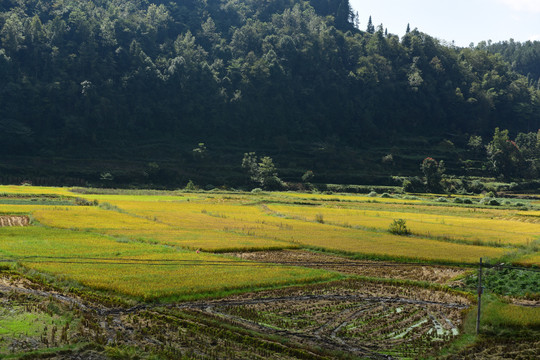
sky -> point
(461, 21)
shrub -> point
(433, 171)
(388, 159)
(409, 197)
(190, 186)
(373, 194)
(476, 186)
(386, 195)
(414, 184)
(319, 218)
(485, 200)
(256, 191)
(83, 202)
(467, 201)
(494, 202)
(399, 227)
(441, 199)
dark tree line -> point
(80, 75)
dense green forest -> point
(151, 79)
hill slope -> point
(151, 79)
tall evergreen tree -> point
(370, 27)
(344, 15)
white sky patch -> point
(535, 37)
(523, 5)
(479, 20)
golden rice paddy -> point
(139, 245)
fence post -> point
(480, 290)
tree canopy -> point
(79, 76)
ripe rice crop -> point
(484, 230)
(168, 223)
(347, 198)
(222, 222)
(140, 269)
(532, 259)
(35, 190)
(498, 314)
(220, 226)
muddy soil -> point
(437, 274)
(315, 322)
(500, 349)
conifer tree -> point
(370, 27)
(344, 15)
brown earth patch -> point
(12, 220)
(436, 274)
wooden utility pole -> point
(480, 290)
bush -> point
(494, 202)
(319, 218)
(190, 186)
(467, 201)
(409, 197)
(399, 227)
(441, 199)
(414, 185)
(458, 200)
(475, 186)
(386, 195)
(256, 191)
(83, 202)
(373, 194)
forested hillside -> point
(523, 57)
(99, 76)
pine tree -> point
(343, 15)
(370, 28)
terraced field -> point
(301, 267)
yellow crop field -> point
(485, 230)
(23, 209)
(35, 190)
(194, 231)
(222, 223)
(140, 269)
(132, 231)
(533, 259)
(252, 222)
(352, 198)
(498, 313)
(155, 277)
